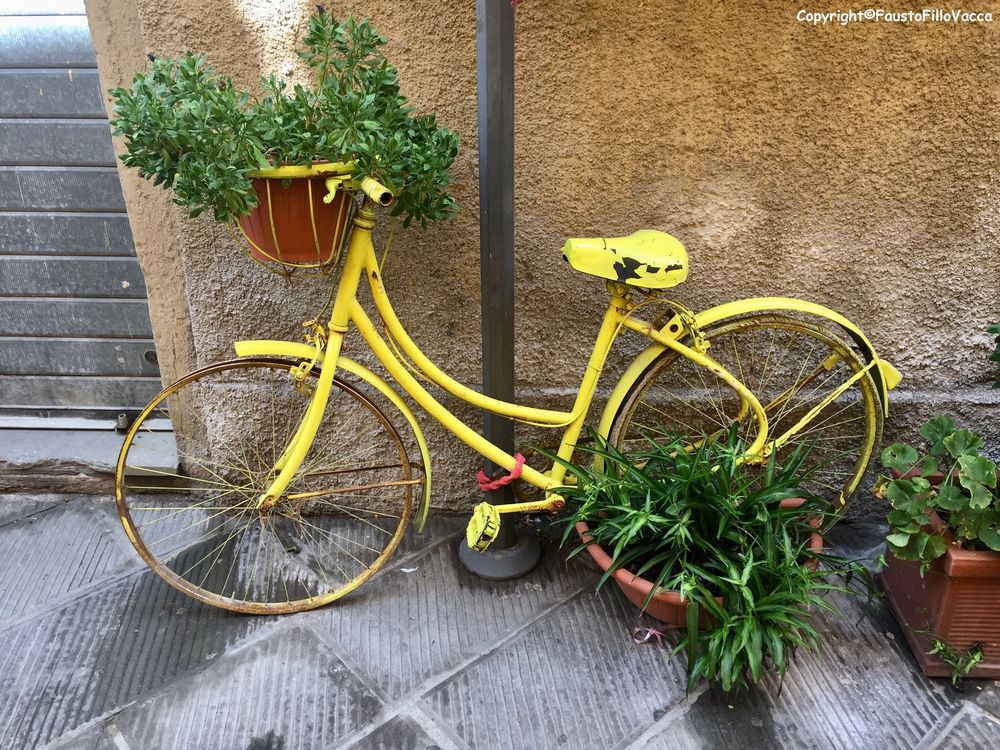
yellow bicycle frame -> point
(390, 349)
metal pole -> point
(512, 554)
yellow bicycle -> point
(295, 477)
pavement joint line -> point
(394, 708)
(657, 727)
(15, 519)
(434, 681)
(981, 711)
(439, 731)
(363, 677)
(265, 631)
(110, 730)
(989, 711)
(57, 604)
(392, 563)
(935, 735)
(137, 566)
(112, 523)
(431, 720)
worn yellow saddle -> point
(647, 258)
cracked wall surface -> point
(855, 166)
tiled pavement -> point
(96, 652)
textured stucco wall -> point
(855, 166)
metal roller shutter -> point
(75, 338)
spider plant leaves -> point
(696, 519)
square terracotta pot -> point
(957, 599)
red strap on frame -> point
(486, 484)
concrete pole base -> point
(514, 561)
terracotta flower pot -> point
(667, 606)
(291, 224)
(957, 599)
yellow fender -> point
(307, 352)
(884, 374)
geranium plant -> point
(186, 126)
(950, 477)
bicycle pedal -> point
(483, 528)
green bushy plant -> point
(186, 127)
(704, 523)
(966, 498)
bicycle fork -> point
(291, 459)
(293, 456)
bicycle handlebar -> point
(377, 191)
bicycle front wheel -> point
(194, 518)
(793, 366)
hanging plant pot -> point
(293, 224)
(667, 606)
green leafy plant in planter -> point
(995, 356)
(952, 479)
(720, 534)
(941, 571)
(186, 127)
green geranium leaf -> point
(905, 496)
(903, 522)
(963, 443)
(900, 457)
(898, 539)
(928, 465)
(977, 469)
(979, 496)
(951, 497)
(989, 530)
(935, 431)
(935, 547)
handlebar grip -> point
(377, 191)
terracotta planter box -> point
(958, 599)
(666, 606)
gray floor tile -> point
(437, 529)
(400, 733)
(861, 687)
(576, 679)
(62, 669)
(426, 617)
(861, 691)
(46, 556)
(19, 506)
(96, 737)
(985, 693)
(719, 720)
(285, 692)
(973, 730)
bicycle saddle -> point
(646, 258)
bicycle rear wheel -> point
(792, 366)
(194, 516)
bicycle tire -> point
(838, 461)
(232, 420)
